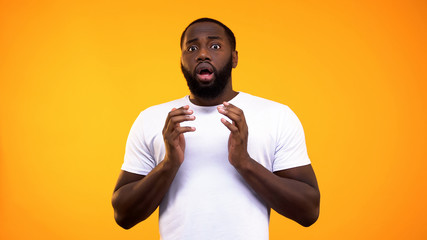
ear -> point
(234, 58)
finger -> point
(232, 108)
(184, 110)
(180, 130)
(234, 114)
(233, 128)
(176, 120)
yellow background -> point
(74, 75)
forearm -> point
(291, 198)
(136, 201)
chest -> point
(208, 145)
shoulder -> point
(167, 106)
(156, 114)
(272, 113)
(249, 102)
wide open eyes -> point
(192, 48)
(215, 46)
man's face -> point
(207, 59)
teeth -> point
(204, 68)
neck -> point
(226, 95)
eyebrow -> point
(195, 39)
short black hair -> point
(229, 33)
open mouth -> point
(204, 72)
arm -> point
(292, 193)
(136, 196)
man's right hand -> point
(136, 197)
(173, 133)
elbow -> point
(127, 221)
(309, 219)
(122, 222)
(122, 219)
(305, 217)
(126, 218)
(312, 214)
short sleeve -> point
(291, 149)
(138, 158)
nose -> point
(203, 55)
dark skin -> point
(293, 193)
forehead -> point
(204, 29)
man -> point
(217, 160)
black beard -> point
(222, 77)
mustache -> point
(222, 78)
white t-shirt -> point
(208, 199)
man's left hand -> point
(238, 140)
